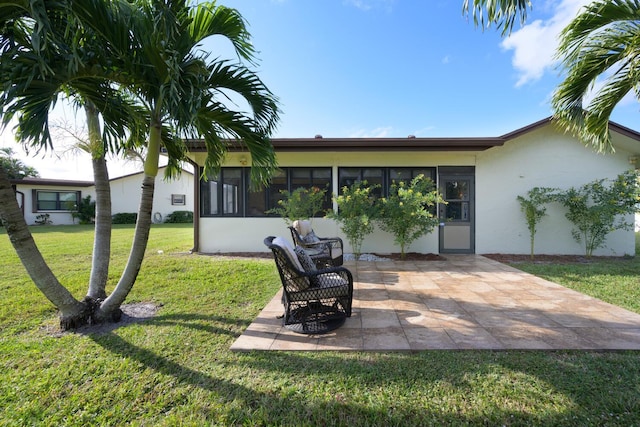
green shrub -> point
(301, 203)
(596, 209)
(408, 212)
(179, 217)
(356, 213)
(124, 218)
(85, 211)
(534, 210)
(43, 219)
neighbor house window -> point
(56, 200)
(178, 199)
(230, 192)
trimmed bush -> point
(179, 217)
(124, 218)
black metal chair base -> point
(316, 319)
(316, 327)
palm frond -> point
(209, 19)
(502, 13)
(602, 43)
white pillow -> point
(298, 283)
(302, 226)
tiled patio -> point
(465, 302)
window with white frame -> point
(47, 200)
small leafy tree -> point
(301, 203)
(595, 209)
(356, 213)
(85, 211)
(534, 210)
(407, 213)
(14, 167)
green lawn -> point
(176, 369)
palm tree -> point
(183, 92)
(603, 41)
(151, 56)
(35, 69)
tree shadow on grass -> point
(358, 388)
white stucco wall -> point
(541, 158)
(126, 191)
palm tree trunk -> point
(73, 313)
(110, 308)
(102, 237)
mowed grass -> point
(176, 369)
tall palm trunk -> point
(102, 237)
(110, 308)
(73, 313)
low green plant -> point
(301, 203)
(43, 219)
(408, 211)
(124, 218)
(596, 209)
(534, 209)
(357, 211)
(85, 211)
(179, 217)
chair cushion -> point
(307, 263)
(331, 285)
(303, 256)
(310, 238)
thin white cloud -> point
(366, 5)
(446, 59)
(535, 44)
(380, 132)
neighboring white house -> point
(39, 197)
(169, 195)
(479, 177)
(55, 197)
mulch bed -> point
(551, 259)
(415, 256)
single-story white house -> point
(479, 177)
(56, 197)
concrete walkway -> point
(465, 302)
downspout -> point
(21, 194)
(196, 205)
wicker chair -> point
(325, 251)
(315, 301)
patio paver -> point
(464, 302)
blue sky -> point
(392, 68)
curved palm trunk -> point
(110, 308)
(102, 237)
(73, 313)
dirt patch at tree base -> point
(131, 313)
